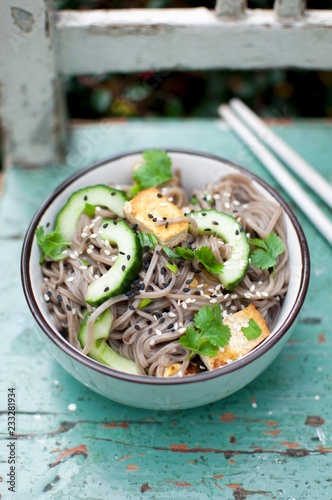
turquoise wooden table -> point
(272, 439)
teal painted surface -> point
(272, 439)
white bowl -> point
(150, 392)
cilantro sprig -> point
(208, 334)
(203, 254)
(265, 255)
(155, 170)
(253, 330)
(52, 244)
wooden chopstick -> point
(300, 166)
(279, 172)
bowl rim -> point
(72, 352)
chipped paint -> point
(314, 421)
(70, 452)
(227, 417)
(131, 467)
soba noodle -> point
(149, 336)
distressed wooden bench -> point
(270, 440)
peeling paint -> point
(70, 452)
(227, 417)
(314, 421)
(23, 19)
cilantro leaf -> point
(185, 253)
(253, 330)
(52, 244)
(171, 254)
(265, 255)
(208, 334)
(206, 257)
(155, 170)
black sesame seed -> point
(173, 330)
(106, 289)
(127, 295)
(215, 223)
(113, 193)
(128, 257)
(49, 293)
(154, 219)
(68, 307)
(59, 298)
(214, 234)
(197, 271)
(204, 214)
(150, 287)
(197, 292)
(164, 218)
(188, 282)
(150, 216)
(171, 325)
(163, 270)
(207, 229)
(158, 252)
(136, 292)
(115, 222)
(159, 195)
(166, 225)
(137, 327)
(87, 240)
(123, 268)
(186, 289)
(48, 224)
(142, 286)
(235, 211)
(150, 330)
(65, 264)
(241, 230)
(132, 308)
(134, 227)
(146, 248)
(85, 198)
(121, 253)
(105, 225)
(237, 232)
(161, 320)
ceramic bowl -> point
(150, 392)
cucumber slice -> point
(100, 195)
(126, 268)
(229, 230)
(100, 350)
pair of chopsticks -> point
(254, 132)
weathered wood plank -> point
(231, 8)
(290, 8)
(136, 40)
(30, 99)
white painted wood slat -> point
(30, 99)
(136, 40)
(232, 8)
(290, 8)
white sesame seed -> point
(172, 315)
(46, 297)
(89, 250)
(180, 373)
(226, 296)
(70, 279)
(227, 205)
(236, 202)
(64, 252)
(265, 294)
(96, 276)
(188, 301)
(228, 195)
(258, 294)
(213, 301)
(163, 204)
(180, 324)
(83, 268)
(152, 342)
(97, 209)
(211, 290)
(114, 258)
(158, 332)
(100, 231)
(260, 282)
(229, 361)
(106, 243)
(46, 279)
(200, 286)
(93, 235)
(218, 288)
(233, 308)
(176, 325)
(216, 196)
(91, 246)
(221, 349)
(182, 330)
(234, 296)
(184, 305)
(73, 311)
(252, 288)
(72, 256)
(107, 252)
(84, 235)
(248, 295)
(91, 225)
(170, 198)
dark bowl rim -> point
(55, 337)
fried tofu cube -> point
(238, 345)
(171, 370)
(149, 207)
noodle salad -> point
(148, 281)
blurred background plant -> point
(270, 93)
